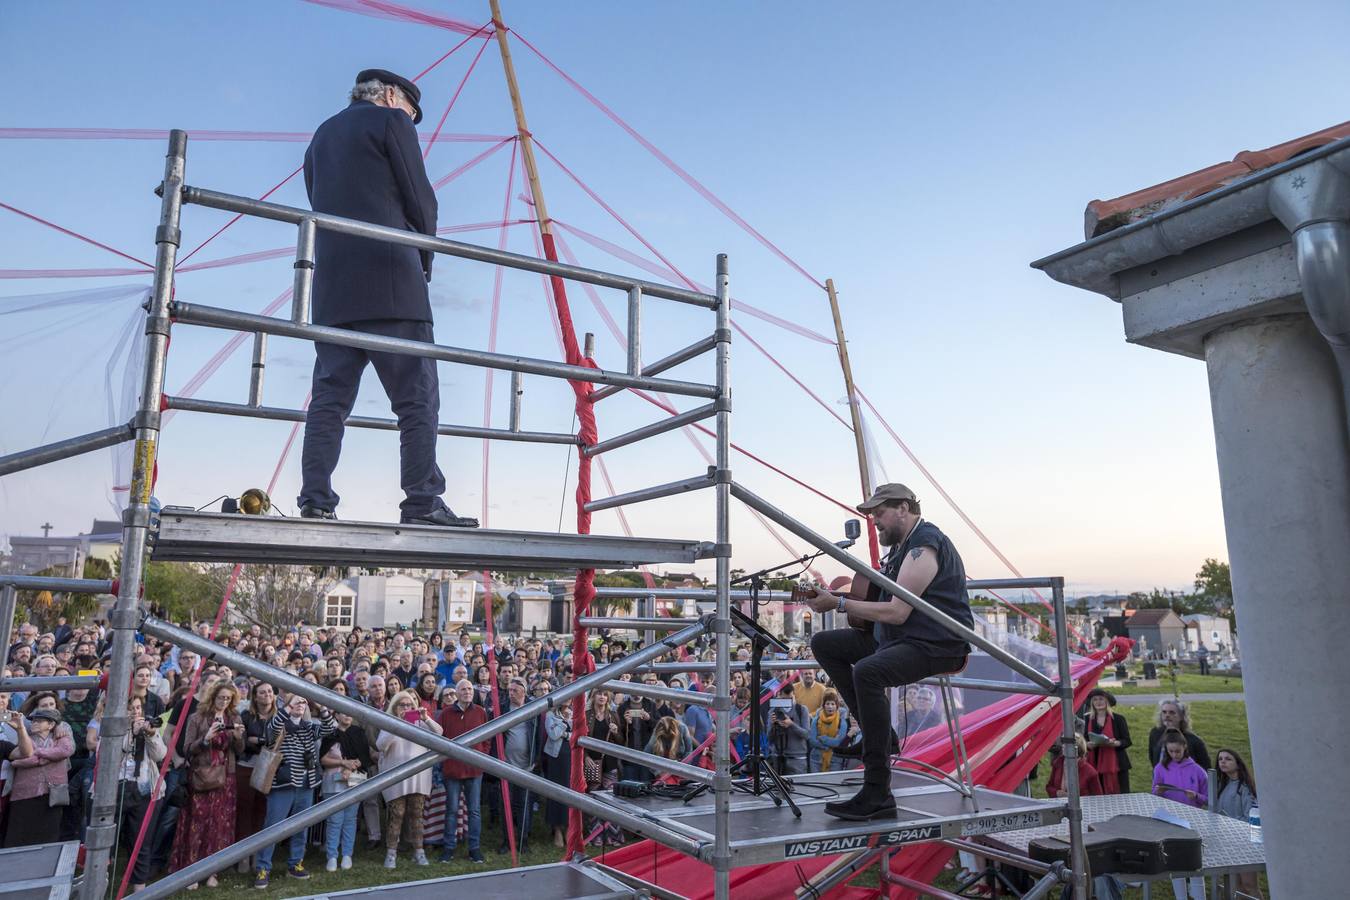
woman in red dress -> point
(1108, 738)
(215, 737)
(1089, 785)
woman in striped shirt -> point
(297, 777)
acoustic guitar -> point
(862, 589)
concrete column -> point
(1284, 469)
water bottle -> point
(1254, 823)
(152, 533)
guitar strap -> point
(890, 566)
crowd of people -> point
(208, 797)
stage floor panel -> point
(39, 872)
(188, 536)
(927, 811)
(571, 880)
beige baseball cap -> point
(884, 493)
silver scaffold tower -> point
(725, 829)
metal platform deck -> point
(41, 872)
(188, 536)
(575, 881)
(762, 832)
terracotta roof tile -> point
(1105, 215)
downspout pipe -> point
(1313, 202)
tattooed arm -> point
(917, 571)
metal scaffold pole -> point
(722, 622)
(124, 618)
(1069, 745)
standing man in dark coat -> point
(365, 163)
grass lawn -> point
(368, 867)
(1187, 683)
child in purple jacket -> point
(1178, 777)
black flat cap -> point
(410, 90)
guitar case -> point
(1128, 845)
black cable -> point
(567, 469)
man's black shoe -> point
(442, 517)
(315, 512)
(851, 749)
(869, 803)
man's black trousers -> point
(414, 396)
(861, 674)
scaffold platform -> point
(576, 881)
(189, 536)
(41, 872)
(926, 811)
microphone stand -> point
(762, 777)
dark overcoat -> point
(365, 163)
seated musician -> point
(887, 644)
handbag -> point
(205, 780)
(590, 768)
(265, 766)
(178, 797)
(58, 795)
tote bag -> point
(266, 764)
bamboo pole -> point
(571, 350)
(855, 413)
(522, 129)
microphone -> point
(852, 531)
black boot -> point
(313, 512)
(874, 801)
(855, 747)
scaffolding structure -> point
(185, 535)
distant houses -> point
(64, 556)
(1214, 633)
(1156, 631)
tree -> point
(1154, 599)
(1214, 580)
(187, 592)
(608, 606)
(275, 597)
(44, 608)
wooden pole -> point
(522, 129)
(584, 589)
(864, 475)
(855, 412)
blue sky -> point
(920, 155)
